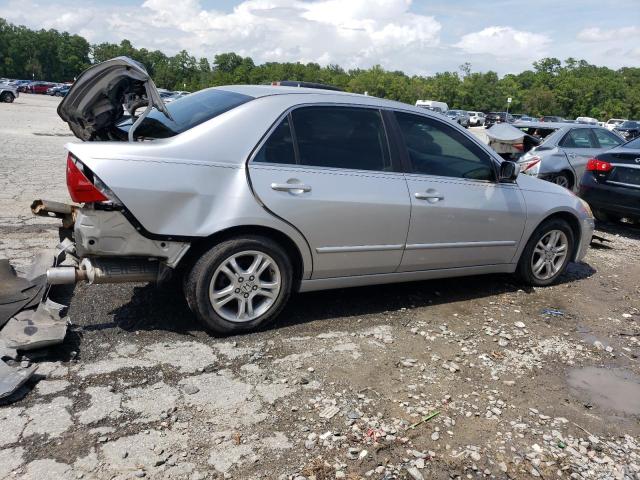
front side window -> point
(578, 138)
(341, 137)
(438, 149)
(279, 146)
(607, 139)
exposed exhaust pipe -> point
(105, 270)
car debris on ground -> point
(29, 319)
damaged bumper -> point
(104, 247)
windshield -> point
(635, 144)
(187, 112)
(629, 124)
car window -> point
(279, 147)
(341, 137)
(607, 139)
(578, 138)
(438, 149)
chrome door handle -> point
(290, 187)
(429, 196)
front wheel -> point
(7, 97)
(547, 253)
(239, 284)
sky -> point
(418, 37)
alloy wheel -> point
(561, 180)
(549, 254)
(245, 286)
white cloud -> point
(616, 47)
(505, 42)
(597, 34)
(352, 33)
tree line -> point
(569, 88)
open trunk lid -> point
(106, 93)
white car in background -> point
(476, 119)
(613, 123)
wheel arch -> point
(573, 222)
(199, 246)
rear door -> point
(579, 145)
(460, 215)
(327, 170)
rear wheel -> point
(603, 216)
(239, 284)
(7, 97)
(547, 253)
(563, 179)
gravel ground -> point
(471, 377)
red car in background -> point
(40, 87)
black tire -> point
(525, 268)
(7, 97)
(198, 279)
(564, 179)
(603, 216)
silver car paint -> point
(196, 184)
(554, 158)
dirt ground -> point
(474, 377)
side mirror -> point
(509, 171)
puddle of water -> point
(610, 389)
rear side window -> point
(341, 137)
(438, 149)
(279, 147)
(607, 139)
(578, 138)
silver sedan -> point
(566, 148)
(251, 193)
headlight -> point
(586, 208)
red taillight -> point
(533, 161)
(595, 165)
(80, 188)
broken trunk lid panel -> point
(32, 329)
(12, 378)
(94, 104)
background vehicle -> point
(459, 116)
(613, 123)
(433, 105)
(551, 118)
(611, 183)
(564, 154)
(629, 129)
(321, 198)
(476, 119)
(8, 93)
(39, 87)
(497, 117)
(587, 120)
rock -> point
(503, 467)
(520, 324)
(140, 473)
(190, 389)
(415, 473)
(435, 436)
(329, 412)
(598, 344)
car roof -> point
(554, 125)
(260, 91)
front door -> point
(327, 170)
(460, 215)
